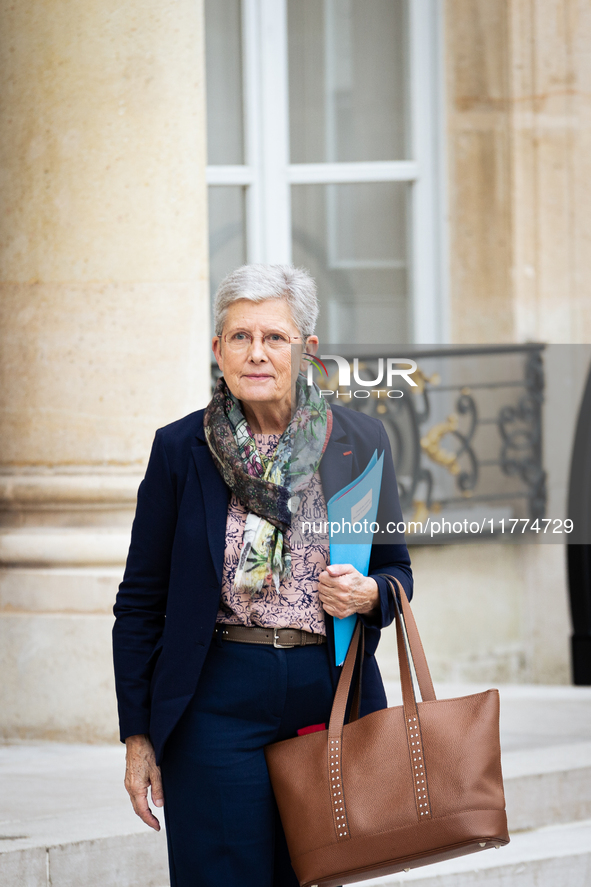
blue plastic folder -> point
(353, 509)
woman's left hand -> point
(343, 590)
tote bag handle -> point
(411, 715)
(403, 614)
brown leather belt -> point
(281, 638)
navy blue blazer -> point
(168, 600)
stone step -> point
(108, 846)
(555, 856)
(547, 786)
(65, 818)
(123, 860)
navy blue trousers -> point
(222, 823)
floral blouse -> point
(297, 604)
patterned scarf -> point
(270, 488)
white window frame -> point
(267, 175)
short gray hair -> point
(260, 282)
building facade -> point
(427, 160)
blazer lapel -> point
(337, 469)
(215, 499)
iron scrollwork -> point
(520, 427)
(425, 451)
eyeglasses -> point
(272, 341)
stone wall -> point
(519, 149)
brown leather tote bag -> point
(396, 789)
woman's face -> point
(258, 374)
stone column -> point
(477, 55)
(518, 77)
(551, 169)
(104, 324)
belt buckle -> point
(276, 643)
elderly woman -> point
(223, 639)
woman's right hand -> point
(141, 770)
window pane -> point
(223, 60)
(353, 240)
(227, 241)
(347, 80)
